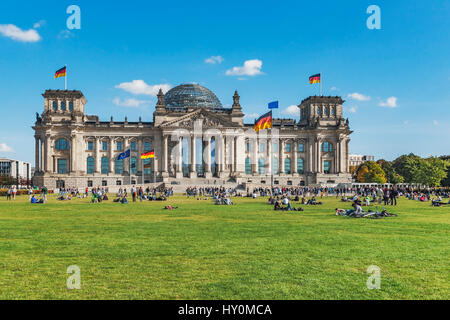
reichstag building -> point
(196, 141)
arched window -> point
(147, 166)
(90, 165)
(71, 105)
(133, 165)
(55, 105)
(325, 111)
(301, 147)
(119, 166)
(287, 165)
(318, 111)
(63, 105)
(327, 147)
(62, 144)
(300, 168)
(275, 165)
(147, 146)
(333, 111)
(105, 165)
(248, 166)
(261, 168)
(133, 146)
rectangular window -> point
(62, 166)
(147, 146)
(247, 147)
(119, 167)
(105, 146)
(275, 148)
(301, 147)
(90, 145)
(261, 147)
(288, 147)
(119, 146)
(89, 183)
(326, 166)
(105, 165)
(133, 146)
(104, 183)
(118, 183)
(147, 166)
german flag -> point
(147, 166)
(148, 155)
(60, 73)
(263, 122)
(314, 79)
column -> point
(97, 155)
(231, 156)
(73, 153)
(179, 159)
(208, 157)
(337, 166)
(281, 166)
(126, 162)
(310, 156)
(319, 156)
(254, 151)
(269, 156)
(42, 166)
(112, 160)
(140, 162)
(294, 158)
(36, 156)
(222, 155)
(166, 152)
(193, 169)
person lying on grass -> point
(170, 208)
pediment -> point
(207, 118)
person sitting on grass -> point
(34, 199)
(367, 201)
(124, 200)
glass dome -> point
(187, 96)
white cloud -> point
(133, 103)
(5, 148)
(251, 116)
(391, 102)
(39, 24)
(65, 34)
(435, 122)
(140, 87)
(292, 110)
(352, 109)
(250, 68)
(214, 60)
(358, 96)
(17, 34)
(333, 88)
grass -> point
(203, 251)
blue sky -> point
(395, 80)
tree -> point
(391, 175)
(407, 166)
(446, 181)
(370, 172)
(430, 171)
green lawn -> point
(203, 251)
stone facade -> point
(79, 150)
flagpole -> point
(321, 80)
(65, 78)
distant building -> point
(15, 169)
(355, 160)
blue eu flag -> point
(273, 105)
(124, 155)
